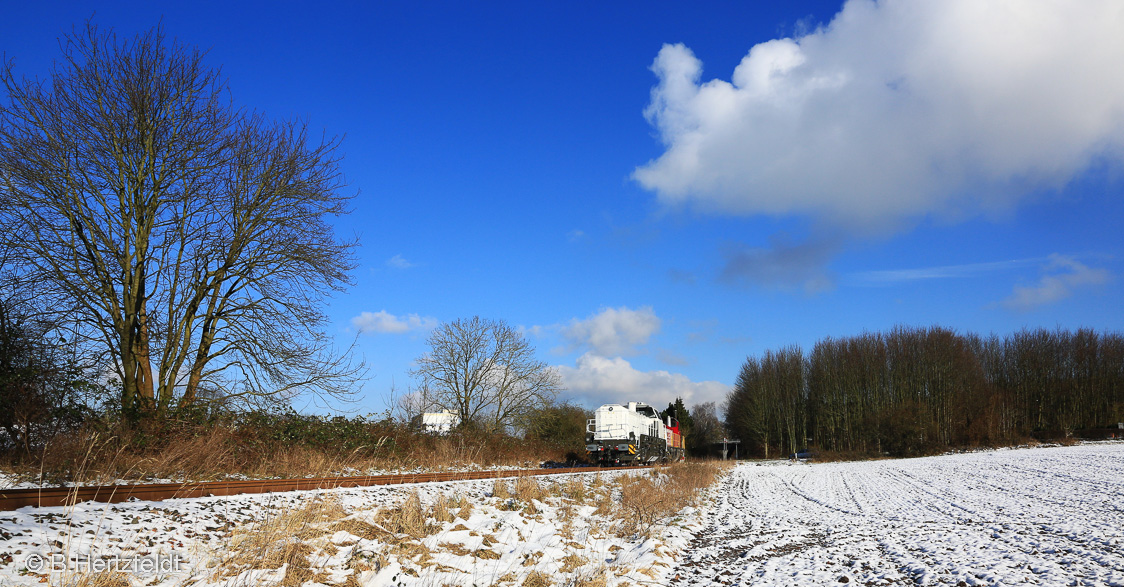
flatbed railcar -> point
(632, 434)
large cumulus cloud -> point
(596, 380)
(896, 110)
(614, 331)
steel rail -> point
(12, 499)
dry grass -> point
(576, 490)
(571, 562)
(528, 489)
(537, 579)
(460, 501)
(465, 511)
(440, 510)
(531, 559)
(603, 503)
(287, 540)
(410, 519)
(104, 452)
(647, 501)
(281, 540)
(360, 528)
(596, 578)
(501, 489)
(104, 579)
(633, 506)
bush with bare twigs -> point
(263, 446)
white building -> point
(441, 422)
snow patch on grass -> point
(570, 530)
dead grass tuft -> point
(576, 490)
(410, 519)
(103, 579)
(440, 510)
(455, 548)
(596, 578)
(281, 540)
(603, 504)
(361, 528)
(571, 562)
(465, 511)
(537, 579)
(501, 489)
(528, 489)
(486, 553)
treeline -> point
(921, 390)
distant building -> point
(441, 422)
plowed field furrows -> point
(1050, 516)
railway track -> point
(11, 499)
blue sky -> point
(655, 190)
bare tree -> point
(39, 388)
(188, 238)
(485, 371)
(413, 404)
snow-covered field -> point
(1043, 516)
(486, 539)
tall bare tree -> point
(486, 372)
(189, 239)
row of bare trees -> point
(918, 390)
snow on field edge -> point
(566, 541)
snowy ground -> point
(1045, 516)
(496, 541)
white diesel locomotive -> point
(632, 434)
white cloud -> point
(1062, 276)
(890, 276)
(384, 322)
(399, 262)
(895, 110)
(613, 331)
(596, 380)
(534, 331)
